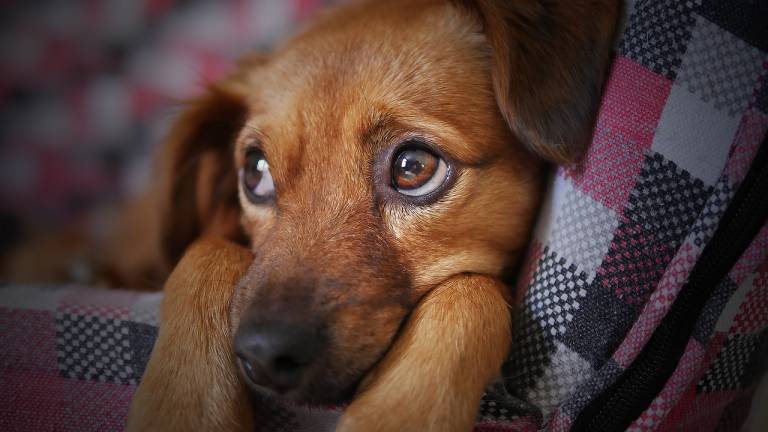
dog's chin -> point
(317, 393)
(300, 397)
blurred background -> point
(88, 89)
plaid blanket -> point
(73, 356)
(683, 115)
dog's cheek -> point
(258, 227)
(480, 228)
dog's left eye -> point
(256, 178)
(416, 171)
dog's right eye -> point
(256, 178)
(418, 172)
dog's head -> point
(384, 149)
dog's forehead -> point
(419, 60)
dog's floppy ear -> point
(199, 185)
(549, 58)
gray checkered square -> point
(720, 68)
(550, 303)
(733, 364)
(94, 348)
(566, 371)
(713, 210)
(601, 322)
(142, 340)
(657, 34)
(493, 410)
(498, 405)
(583, 230)
(661, 209)
(666, 200)
(529, 355)
(744, 18)
(554, 293)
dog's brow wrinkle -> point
(251, 127)
(376, 129)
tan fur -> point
(451, 348)
(191, 383)
(409, 296)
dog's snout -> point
(277, 355)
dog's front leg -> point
(434, 376)
(191, 383)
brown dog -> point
(385, 167)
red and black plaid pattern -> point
(683, 114)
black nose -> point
(276, 355)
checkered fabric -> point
(684, 111)
(72, 358)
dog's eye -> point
(256, 178)
(417, 172)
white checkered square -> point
(695, 135)
(557, 187)
(720, 68)
(583, 231)
(146, 310)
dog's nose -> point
(276, 354)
